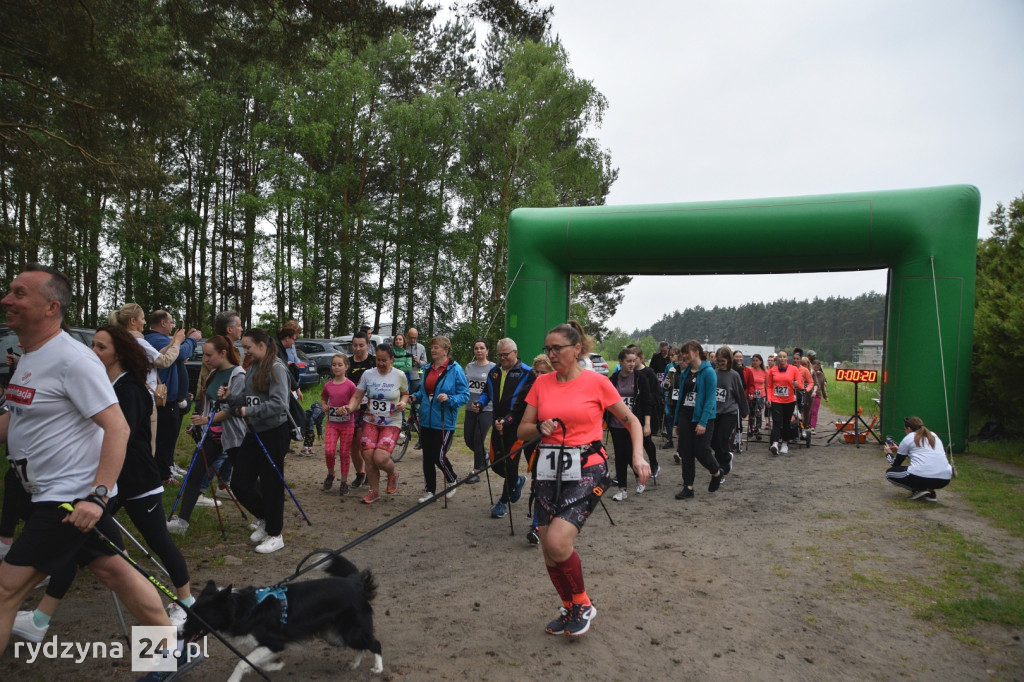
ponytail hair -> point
(262, 372)
(693, 346)
(222, 344)
(129, 353)
(921, 432)
(572, 331)
(126, 313)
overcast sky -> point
(745, 99)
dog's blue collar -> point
(280, 593)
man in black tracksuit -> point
(652, 388)
(507, 385)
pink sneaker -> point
(392, 484)
(371, 497)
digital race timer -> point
(857, 376)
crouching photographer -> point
(928, 471)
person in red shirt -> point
(756, 395)
(781, 384)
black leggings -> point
(782, 415)
(623, 444)
(692, 446)
(721, 442)
(253, 480)
(17, 504)
(475, 434)
(202, 462)
(436, 443)
(147, 513)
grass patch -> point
(997, 496)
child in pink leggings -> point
(335, 394)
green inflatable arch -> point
(927, 238)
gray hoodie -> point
(268, 409)
(731, 395)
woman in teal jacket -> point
(695, 417)
(442, 392)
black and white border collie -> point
(336, 610)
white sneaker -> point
(177, 616)
(204, 501)
(260, 534)
(620, 496)
(25, 627)
(640, 487)
(271, 544)
(255, 524)
(177, 471)
(177, 526)
(784, 448)
(451, 493)
(426, 497)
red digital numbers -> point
(857, 376)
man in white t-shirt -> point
(66, 438)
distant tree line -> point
(831, 326)
(338, 163)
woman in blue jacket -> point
(442, 392)
(695, 417)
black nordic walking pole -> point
(278, 472)
(68, 508)
(192, 464)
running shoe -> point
(427, 496)
(473, 478)
(359, 480)
(580, 619)
(418, 446)
(272, 543)
(656, 471)
(26, 628)
(328, 481)
(371, 497)
(619, 496)
(918, 494)
(784, 448)
(727, 467)
(716, 482)
(684, 494)
(260, 533)
(177, 526)
(204, 501)
(177, 616)
(533, 536)
(774, 449)
(676, 458)
(451, 493)
(931, 496)
(499, 510)
(517, 491)
(185, 664)
(557, 626)
(392, 484)
(343, 488)
(668, 445)
(640, 487)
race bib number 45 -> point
(548, 460)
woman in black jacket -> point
(640, 400)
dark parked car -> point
(9, 344)
(307, 367)
(321, 351)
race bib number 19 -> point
(547, 463)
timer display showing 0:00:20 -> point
(858, 376)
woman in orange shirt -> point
(782, 383)
(566, 408)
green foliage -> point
(996, 377)
(330, 162)
(831, 326)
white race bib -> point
(690, 400)
(757, 393)
(628, 400)
(781, 391)
(547, 463)
(477, 385)
(25, 475)
(381, 408)
(675, 394)
(334, 414)
(720, 395)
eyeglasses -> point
(556, 349)
(508, 354)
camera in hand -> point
(890, 442)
